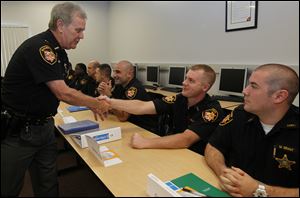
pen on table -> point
(192, 191)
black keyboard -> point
(149, 87)
(228, 98)
(171, 89)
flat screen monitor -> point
(135, 71)
(233, 81)
(176, 76)
(152, 74)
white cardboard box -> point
(158, 188)
(100, 136)
(106, 156)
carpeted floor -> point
(75, 182)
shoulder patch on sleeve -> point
(131, 92)
(169, 99)
(48, 55)
(227, 119)
(210, 115)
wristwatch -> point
(260, 191)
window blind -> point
(11, 38)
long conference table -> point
(129, 178)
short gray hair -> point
(66, 12)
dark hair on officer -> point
(82, 66)
(106, 69)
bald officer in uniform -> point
(32, 88)
(129, 88)
(195, 115)
(255, 150)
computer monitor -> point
(176, 76)
(233, 81)
(152, 74)
(135, 68)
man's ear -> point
(280, 95)
(206, 87)
(60, 25)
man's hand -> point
(138, 141)
(237, 182)
(104, 98)
(104, 88)
(101, 109)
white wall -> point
(36, 15)
(172, 32)
(188, 32)
(181, 32)
(185, 33)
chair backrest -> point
(165, 124)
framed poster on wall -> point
(241, 15)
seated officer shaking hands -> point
(255, 149)
(194, 114)
(127, 87)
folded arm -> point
(237, 182)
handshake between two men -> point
(101, 107)
(105, 105)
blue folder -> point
(77, 108)
(78, 126)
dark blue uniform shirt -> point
(273, 158)
(135, 90)
(202, 118)
(38, 60)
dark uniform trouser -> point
(35, 149)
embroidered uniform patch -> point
(169, 99)
(210, 115)
(227, 119)
(48, 54)
(284, 162)
(131, 92)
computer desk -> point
(224, 104)
(130, 177)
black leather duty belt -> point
(27, 119)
